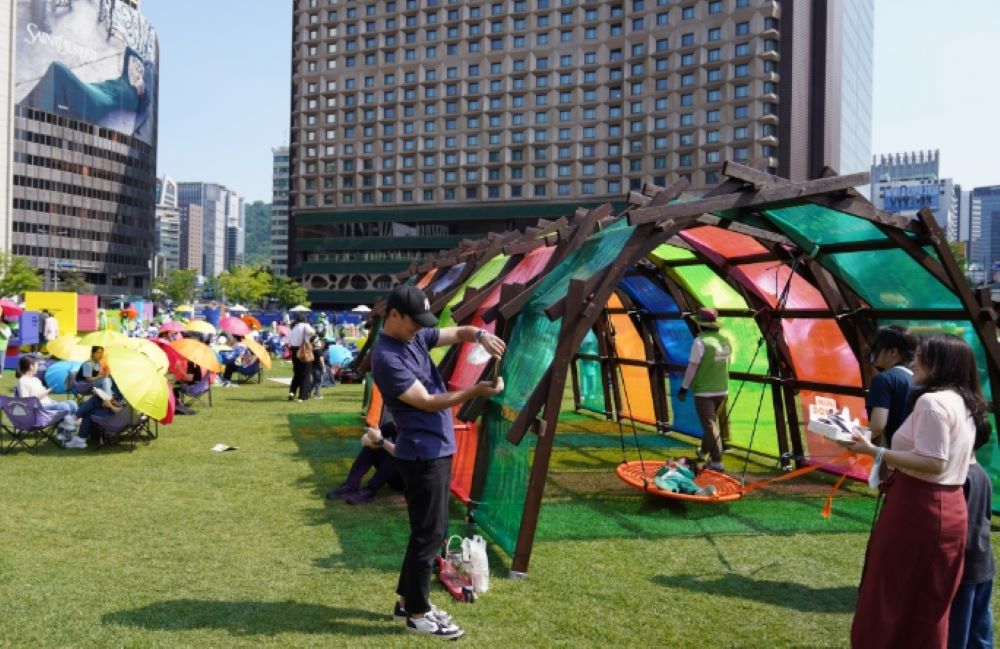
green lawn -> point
(175, 546)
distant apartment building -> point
(984, 252)
(192, 226)
(444, 121)
(905, 183)
(77, 153)
(168, 227)
(279, 211)
(223, 217)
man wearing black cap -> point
(420, 405)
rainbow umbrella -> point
(258, 351)
(172, 326)
(233, 325)
(105, 339)
(11, 309)
(55, 375)
(202, 327)
(68, 348)
(139, 381)
(198, 353)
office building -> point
(279, 211)
(417, 123)
(905, 183)
(985, 222)
(223, 221)
(168, 227)
(79, 154)
(192, 228)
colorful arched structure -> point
(802, 274)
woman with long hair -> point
(301, 370)
(29, 385)
(915, 554)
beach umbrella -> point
(142, 385)
(130, 313)
(176, 364)
(202, 327)
(171, 407)
(258, 350)
(10, 308)
(55, 375)
(251, 321)
(186, 308)
(233, 325)
(198, 353)
(299, 309)
(361, 308)
(172, 326)
(154, 352)
(105, 338)
(239, 308)
(68, 348)
(283, 330)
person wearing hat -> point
(421, 406)
(707, 376)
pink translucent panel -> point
(464, 460)
(465, 374)
(637, 395)
(820, 352)
(718, 244)
(768, 281)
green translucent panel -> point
(598, 252)
(709, 289)
(890, 279)
(502, 502)
(667, 252)
(743, 335)
(743, 412)
(588, 374)
(810, 224)
(487, 273)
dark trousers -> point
(301, 376)
(426, 488)
(386, 470)
(970, 623)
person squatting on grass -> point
(916, 551)
(378, 450)
(420, 405)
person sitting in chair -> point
(239, 357)
(29, 385)
(94, 372)
(103, 403)
(377, 450)
(192, 376)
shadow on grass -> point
(784, 594)
(251, 618)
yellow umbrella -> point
(142, 385)
(202, 327)
(68, 348)
(185, 307)
(258, 351)
(155, 354)
(198, 353)
(105, 338)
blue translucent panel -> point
(449, 278)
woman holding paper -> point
(915, 553)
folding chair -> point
(28, 423)
(247, 373)
(79, 390)
(126, 425)
(197, 392)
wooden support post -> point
(612, 402)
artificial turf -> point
(175, 546)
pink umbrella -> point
(173, 325)
(234, 325)
(11, 309)
(283, 330)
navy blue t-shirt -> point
(891, 390)
(396, 365)
(979, 564)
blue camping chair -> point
(28, 423)
(198, 391)
(127, 425)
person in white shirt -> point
(301, 372)
(51, 328)
(29, 385)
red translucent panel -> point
(464, 460)
(718, 244)
(769, 279)
(425, 281)
(637, 395)
(823, 451)
(820, 352)
(526, 270)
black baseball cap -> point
(411, 301)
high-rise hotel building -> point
(78, 115)
(416, 123)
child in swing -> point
(677, 476)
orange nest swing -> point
(727, 488)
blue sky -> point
(225, 74)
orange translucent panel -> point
(374, 416)
(820, 352)
(425, 281)
(637, 395)
(719, 245)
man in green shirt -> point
(707, 376)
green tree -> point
(75, 282)
(258, 234)
(245, 285)
(17, 276)
(177, 285)
(288, 292)
(958, 251)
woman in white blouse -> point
(29, 385)
(916, 550)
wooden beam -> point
(747, 199)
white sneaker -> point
(433, 626)
(76, 442)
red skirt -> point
(913, 567)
